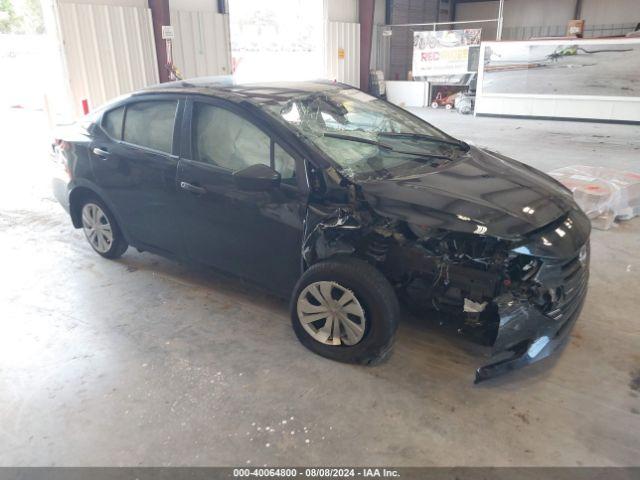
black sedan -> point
(341, 201)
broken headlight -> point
(523, 268)
(530, 269)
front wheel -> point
(345, 310)
(101, 230)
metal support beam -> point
(577, 13)
(454, 4)
(160, 16)
(365, 14)
(429, 24)
(388, 11)
(500, 18)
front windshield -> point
(367, 137)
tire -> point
(101, 229)
(373, 297)
(448, 106)
(435, 104)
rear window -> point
(150, 124)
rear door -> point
(256, 235)
(135, 161)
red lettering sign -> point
(430, 56)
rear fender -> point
(83, 189)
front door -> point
(135, 167)
(255, 235)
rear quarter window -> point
(150, 124)
(112, 122)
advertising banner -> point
(444, 52)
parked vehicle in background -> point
(342, 202)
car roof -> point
(260, 94)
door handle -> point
(101, 152)
(193, 188)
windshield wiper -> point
(383, 145)
(456, 143)
(368, 141)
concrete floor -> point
(143, 361)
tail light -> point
(58, 148)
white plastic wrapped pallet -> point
(603, 193)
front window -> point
(367, 137)
(227, 140)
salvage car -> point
(340, 201)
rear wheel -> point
(346, 310)
(101, 230)
(435, 104)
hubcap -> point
(331, 314)
(96, 227)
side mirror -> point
(256, 178)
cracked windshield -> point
(368, 138)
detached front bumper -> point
(526, 334)
(547, 342)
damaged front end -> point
(539, 309)
(520, 298)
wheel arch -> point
(76, 199)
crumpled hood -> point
(482, 192)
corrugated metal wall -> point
(108, 51)
(341, 10)
(590, 31)
(343, 52)
(201, 45)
